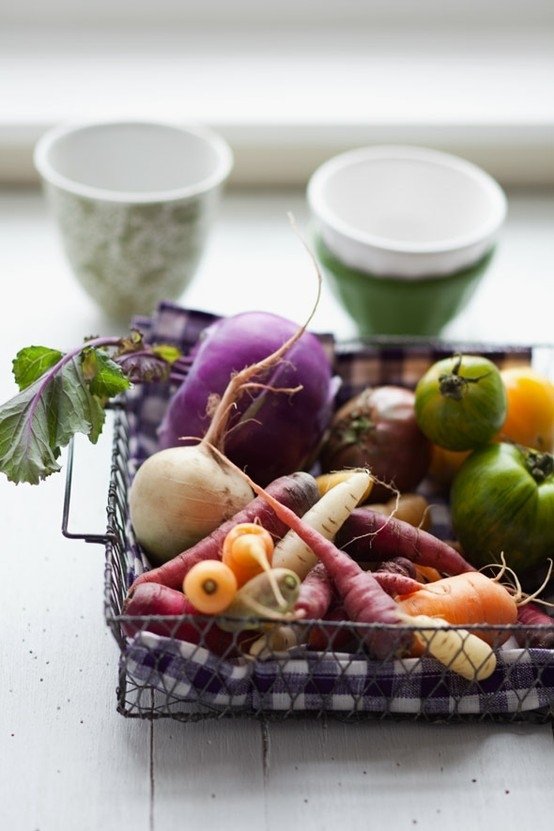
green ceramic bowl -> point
(394, 306)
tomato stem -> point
(453, 384)
(539, 465)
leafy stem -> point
(61, 394)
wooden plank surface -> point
(67, 759)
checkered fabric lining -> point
(523, 679)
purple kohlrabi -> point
(271, 432)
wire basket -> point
(180, 667)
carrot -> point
(155, 600)
(410, 507)
(299, 491)
(314, 597)
(396, 584)
(426, 574)
(363, 598)
(211, 586)
(530, 614)
(327, 516)
(460, 651)
(271, 594)
(275, 639)
(367, 535)
(465, 599)
(397, 565)
(316, 594)
(247, 550)
(324, 637)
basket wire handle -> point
(102, 539)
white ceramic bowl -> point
(408, 212)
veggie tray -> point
(168, 666)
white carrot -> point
(326, 516)
(457, 649)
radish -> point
(181, 494)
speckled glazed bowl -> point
(393, 306)
(134, 202)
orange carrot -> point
(247, 550)
(210, 586)
(465, 599)
(427, 574)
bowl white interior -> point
(137, 161)
(406, 199)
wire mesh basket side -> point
(163, 675)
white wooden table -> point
(67, 759)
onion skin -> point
(377, 429)
(272, 433)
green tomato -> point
(460, 402)
(502, 502)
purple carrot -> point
(155, 600)
(397, 565)
(316, 594)
(325, 637)
(367, 535)
(364, 599)
(530, 614)
(394, 583)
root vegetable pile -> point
(254, 512)
(309, 561)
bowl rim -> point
(321, 176)
(50, 175)
(341, 270)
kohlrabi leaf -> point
(32, 362)
(40, 420)
(64, 393)
(106, 379)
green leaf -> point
(106, 379)
(40, 420)
(32, 362)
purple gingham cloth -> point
(523, 681)
(301, 680)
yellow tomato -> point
(446, 463)
(530, 414)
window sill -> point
(288, 99)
